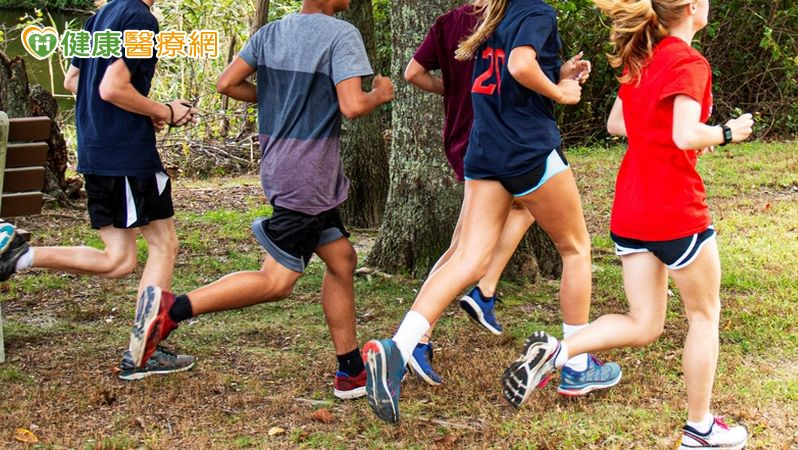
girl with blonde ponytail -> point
(660, 220)
(513, 156)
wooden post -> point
(3, 148)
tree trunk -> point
(17, 99)
(424, 197)
(261, 15)
(363, 148)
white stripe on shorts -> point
(132, 215)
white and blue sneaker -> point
(598, 375)
(421, 364)
(532, 370)
(480, 310)
(719, 437)
(384, 372)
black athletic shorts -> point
(529, 182)
(128, 202)
(291, 237)
(676, 253)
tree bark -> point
(424, 198)
(363, 148)
(14, 92)
(261, 15)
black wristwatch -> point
(727, 134)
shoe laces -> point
(721, 423)
(166, 351)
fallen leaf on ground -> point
(274, 431)
(26, 436)
(323, 415)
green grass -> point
(271, 365)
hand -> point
(181, 113)
(706, 150)
(741, 127)
(158, 124)
(570, 92)
(384, 86)
(576, 68)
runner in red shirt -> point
(660, 223)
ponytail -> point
(638, 26)
(491, 14)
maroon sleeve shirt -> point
(437, 52)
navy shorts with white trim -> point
(676, 253)
(128, 202)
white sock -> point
(409, 333)
(562, 356)
(703, 426)
(578, 362)
(26, 260)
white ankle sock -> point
(578, 362)
(26, 260)
(562, 356)
(703, 426)
(409, 333)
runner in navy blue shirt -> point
(127, 188)
(513, 155)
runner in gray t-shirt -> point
(309, 67)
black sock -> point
(351, 363)
(181, 309)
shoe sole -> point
(525, 374)
(351, 394)
(418, 372)
(15, 249)
(7, 235)
(377, 392)
(590, 388)
(145, 323)
(136, 376)
(469, 305)
(717, 447)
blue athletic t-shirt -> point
(514, 127)
(112, 141)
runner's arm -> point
(71, 79)
(615, 123)
(116, 88)
(354, 102)
(419, 76)
(234, 82)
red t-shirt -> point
(437, 52)
(659, 195)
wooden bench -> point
(23, 155)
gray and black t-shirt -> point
(299, 61)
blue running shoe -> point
(480, 310)
(421, 364)
(384, 372)
(598, 375)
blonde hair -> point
(637, 26)
(491, 14)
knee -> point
(575, 249)
(707, 314)
(648, 331)
(122, 266)
(344, 264)
(472, 267)
(282, 290)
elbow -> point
(108, 92)
(516, 68)
(682, 140)
(614, 130)
(223, 87)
